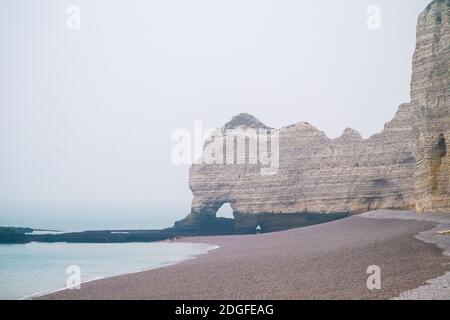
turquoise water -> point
(36, 268)
(83, 222)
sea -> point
(33, 269)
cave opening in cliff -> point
(441, 146)
(225, 211)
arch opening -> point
(225, 211)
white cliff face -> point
(430, 94)
(404, 166)
(315, 175)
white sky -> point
(86, 116)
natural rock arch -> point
(225, 211)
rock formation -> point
(430, 94)
(405, 166)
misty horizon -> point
(87, 115)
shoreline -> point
(100, 273)
(39, 295)
(277, 265)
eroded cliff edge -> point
(316, 175)
(405, 166)
(430, 94)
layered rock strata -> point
(405, 166)
(315, 174)
(430, 94)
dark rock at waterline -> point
(191, 226)
(13, 234)
(206, 224)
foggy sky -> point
(86, 115)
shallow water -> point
(37, 268)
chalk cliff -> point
(430, 94)
(405, 166)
